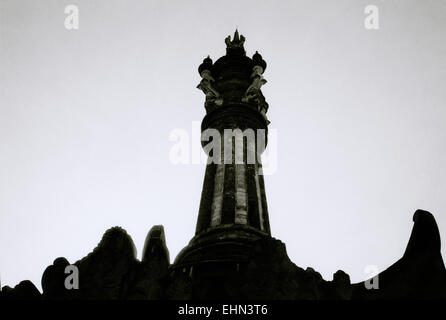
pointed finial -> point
(236, 45)
(236, 36)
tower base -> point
(218, 253)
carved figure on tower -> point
(213, 98)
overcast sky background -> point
(85, 119)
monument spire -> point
(233, 209)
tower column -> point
(217, 199)
(233, 212)
(241, 195)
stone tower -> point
(233, 210)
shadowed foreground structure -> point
(112, 271)
(232, 254)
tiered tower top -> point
(234, 78)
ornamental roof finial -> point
(236, 45)
(236, 37)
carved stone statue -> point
(257, 80)
(253, 93)
(213, 98)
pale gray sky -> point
(85, 118)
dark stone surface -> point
(25, 290)
(53, 280)
(148, 279)
(112, 271)
(420, 273)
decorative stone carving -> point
(213, 98)
(257, 80)
(253, 94)
(236, 43)
(155, 246)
